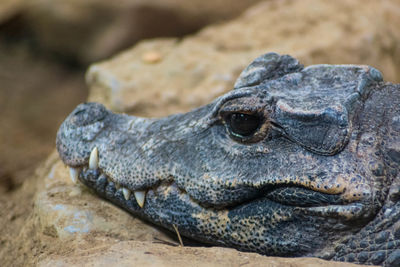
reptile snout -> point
(87, 113)
(78, 133)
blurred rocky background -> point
(195, 49)
(46, 46)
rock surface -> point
(93, 29)
(195, 70)
(129, 253)
(68, 211)
(9, 8)
(29, 87)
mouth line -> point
(95, 179)
(299, 197)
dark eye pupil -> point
(243, 124)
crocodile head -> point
(293, 162)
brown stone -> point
(197, 69)
(133, 253)
(9, 8)
(94, 29)
(151, 57)
(69, 211)
(35, 96)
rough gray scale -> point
(293, 162)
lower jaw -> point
(111, 190)
(149, 207)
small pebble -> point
(151, 57)
(76, 191)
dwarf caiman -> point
(295, 161)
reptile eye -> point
(242, 125)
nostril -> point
(77, 112)
(88, 113)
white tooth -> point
(117, 186)
(140, 196)
(74, 174)
(126, 192)
(94, 159)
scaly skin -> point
(314, 171)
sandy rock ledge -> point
(132, 253)
(94, 29)
(164, 76)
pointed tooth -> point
(117, 185)
(94, 159)
(126, 192)
(140, 197)
(74, 174)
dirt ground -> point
(35, 95)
